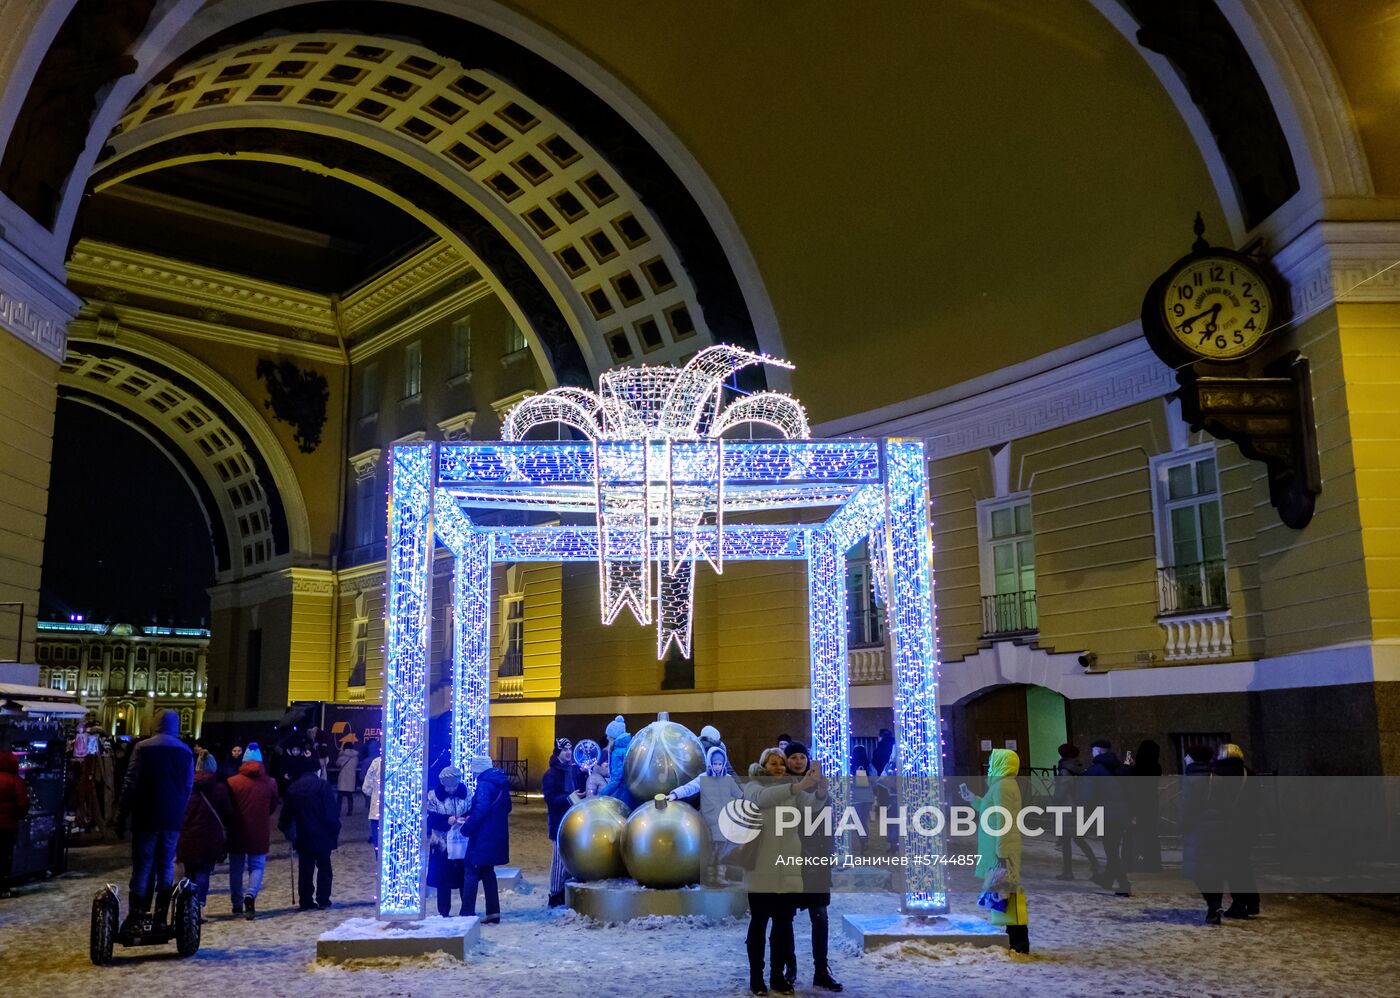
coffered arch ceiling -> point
(599, 266)
(214, 437)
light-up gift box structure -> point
(664, 490)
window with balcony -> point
(865, 622)
(1008, 566)
(1192, 536)
(513, 657)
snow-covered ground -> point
(1084, 942)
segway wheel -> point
(187, 926)
(104, 928)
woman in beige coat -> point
(775, 880)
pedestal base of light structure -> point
(624, 900)
(509, 878)
(870, 932)
(370, 938)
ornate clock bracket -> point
(1270, 418)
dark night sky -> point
(126, 539)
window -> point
(865, 622)
(1008, 566)
(359, 643)
(369, 390)
(459, 352)
(515, 339)
(366, 509)
(412, 370)
(513, 658)
(1191, 532)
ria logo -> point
(740, 821)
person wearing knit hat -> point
(252, 753)
(619, 741)
(487, 829)
(709, 739)
(563, 786)
(447, 805)
(816, 878)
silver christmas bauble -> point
(663, 755)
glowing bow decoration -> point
(654, 406)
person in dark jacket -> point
(884, 748)
(157, 788)
(204, 834)
(230, 766)
(311, 822)
(1218, 825)
(447, 805)
(14, 805)
(255, 799)
(487, 830)
(1102, 787)
(816, 877)
(1067, 781)
(1143, 847)
(560, 783)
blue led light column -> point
(918, 737)
(406, 619)
(471, 667)
(831, 709)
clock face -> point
(1217, 308)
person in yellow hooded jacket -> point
(1002, 852)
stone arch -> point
(621, 283)
(225, 450)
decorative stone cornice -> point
(34, 305)
(1111, 371)
(416, 437)
(420, 315)
(415, 275)
(103, 265)
(365, 463)
(504, 405)
(131, 317)
(458, 427)
(272, 585)
(1341, 261)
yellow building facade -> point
(944, 215)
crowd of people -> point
(184, 804)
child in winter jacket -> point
(716, 788)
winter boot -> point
(756, 985)
(136, 915)
(823, 979)
(1213, 916)
(249, 909)
(1019, 938)
(163, 906)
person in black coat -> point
(311, 821)
(560, 783)
(884, 748)
(1143, 848)
(487, 829)
(154, 795)
(1218, 819)
(1102, 787)
(816, 876)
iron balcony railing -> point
(1192, 587)
(1009, 613)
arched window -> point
(118, 680)
(186, 721)
(163, 681)
(187, 682)
(141, 680)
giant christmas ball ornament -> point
(590, 838)
(666, 844)
(663, 755)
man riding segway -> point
(154, 795)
